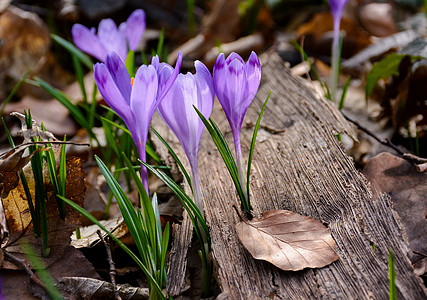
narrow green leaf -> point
(128, 212)
(225, 152)
(344, 93)
(175, 157)
(123, 246)
(164, 250)
(160, 43)
(44, 275)
(93, 105)
(130, 63)
(392, 277)
(150, 225)
(9, 137)
(109, 136)
(63, 99)
(73, 50)
(252, 148)
(186, 201)
(79, 76)
(63, 170)
(124, 129)
(14, 90)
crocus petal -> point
(337, 7)
(230, 87)
(165, 88)
(111, 94)
(206, 89)
(135, 27)
(119, 74)
(173, 111)
(237, 90)
(143, 98)
(110, 37)
(220, 82)
(253, 76)
(234, 56)
(87, 41)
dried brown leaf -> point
(407, 189)
(288, 240)
(19, 219)
(11, 163)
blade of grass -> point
(146, 204)
(252, 148)
(14, 90)
(24, 182)
(79, 76)
(160, 44)
(175, 157)
(73, 50)
(225, 152)
(186, 201)
(63, 170)
(392, 276)
(45, 277)
(128, 212)
(344, 93)
(93, 105)
(63, 99)
(123, 246)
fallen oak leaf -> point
(288, 240)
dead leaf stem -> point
(419, 162)
(112, 266)
(21, 263)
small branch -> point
(385, 142)
(419, 162)
(112, 266)
(21, 263)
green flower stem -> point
(206, 272)
(335, 66)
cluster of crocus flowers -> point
(110, 37)
(178, 113)
(236, 85)
(337, 8)
(135, 102)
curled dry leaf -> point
(89, 237)
(288, 240)
(11, 163)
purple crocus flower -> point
(236, 84)
(178, 113)
(109, 37)
(337, 8)
(136, 103)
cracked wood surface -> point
(300, 166)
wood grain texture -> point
(300, 166)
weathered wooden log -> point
(299, 165)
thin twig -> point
(385, 142)
(419, 162)
(21, 263)
(112, 266)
